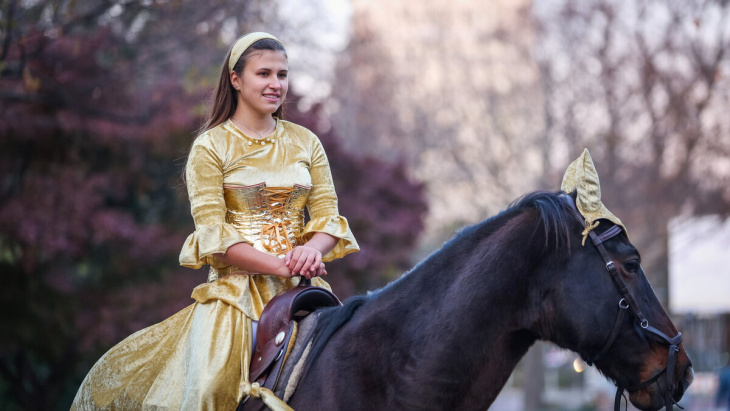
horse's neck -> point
(445, 336)
(455, 330)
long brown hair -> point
(223, 102)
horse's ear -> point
(581, 176)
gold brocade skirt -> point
(194, 360)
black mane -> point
(553, 212)
(555, 223)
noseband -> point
(627, 301)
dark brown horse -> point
(447, 334)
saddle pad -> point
(294, 365)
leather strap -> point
(623, 306)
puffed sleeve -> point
(322, 207)
(204, 175)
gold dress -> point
(241, 190)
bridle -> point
(627, 301)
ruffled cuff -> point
(207, 240)
(335, 226)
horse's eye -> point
(632, 266)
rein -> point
(627, 301)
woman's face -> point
(263, 83)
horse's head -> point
(602, 307)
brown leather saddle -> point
(274, 334)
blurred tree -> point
(384, 208)
(449, 87)
(486, 106)
(645, 86)
(98, 100)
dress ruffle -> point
(335, 226)
(207, 240)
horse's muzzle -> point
(654, 397)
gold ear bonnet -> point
(582, 176)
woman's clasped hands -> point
(305, 261)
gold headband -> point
(582, 176)
(245, 42)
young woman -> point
(250, 175)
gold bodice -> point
(271, 217)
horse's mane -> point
(554, 218)
(553, 214)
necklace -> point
(261, 135)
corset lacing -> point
(276, 199)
